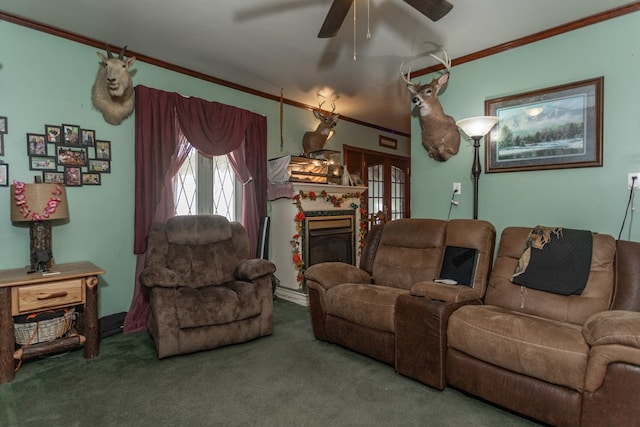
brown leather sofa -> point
(566, 360)
(358, 307)
(205, 292)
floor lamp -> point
(476, 128)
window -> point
(206, 186)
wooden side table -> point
(67, 285)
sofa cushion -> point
(203, 265)
(596, 297)
(549, 350)
(216, 305)
(410, 251)
(371, 306)
(198, 229)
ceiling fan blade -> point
(334, 19)
(432, 9)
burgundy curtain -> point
(166, 123)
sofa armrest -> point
(251, 269)
(329, 274)
(446, 293)
(158, 277)
(614, 337)
(613, 327)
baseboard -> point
(299, 298)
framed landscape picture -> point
(553, 128)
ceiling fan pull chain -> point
(354, 30)
(368, 19)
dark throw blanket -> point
(555, 260)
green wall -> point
(583, 198)
(47, 80)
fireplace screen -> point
(329, 238)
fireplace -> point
(330, 231)
(329, 236)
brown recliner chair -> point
(205, 292)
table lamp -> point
(476, 128)
(39, 204)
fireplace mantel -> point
(283, 212)
(290, 189)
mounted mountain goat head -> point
(314, 141)
(440, 135)
(112, 92)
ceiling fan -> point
(432, 9)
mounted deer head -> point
(440, 135)
(112, 92)
(314, 141)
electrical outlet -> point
(636, 183)
(457, 188)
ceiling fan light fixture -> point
(432, 9)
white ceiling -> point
(267, 45)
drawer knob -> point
(53, 295)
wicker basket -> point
(39, 331)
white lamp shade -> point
(477, 126)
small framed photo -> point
(42, 163)
(101, 166)
(103, 150)
(385, 141)
(71, 134)
(1, 144)
(72, 156)
(53, 177)
(4, 174)
(53, 133)
(4, 125)
(88, 137)
(91, 178)
(72, 176)
(36, 144)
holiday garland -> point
(337, 202)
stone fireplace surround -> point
(325, 219)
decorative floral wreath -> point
(337, 202)
(25, 210)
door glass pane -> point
(376, 189)
(397, 192)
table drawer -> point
(26, 299)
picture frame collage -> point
(69, 154)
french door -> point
(387, 178)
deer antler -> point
(446, 61)
(333, 106)
(407, 78)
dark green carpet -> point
(287, 379)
